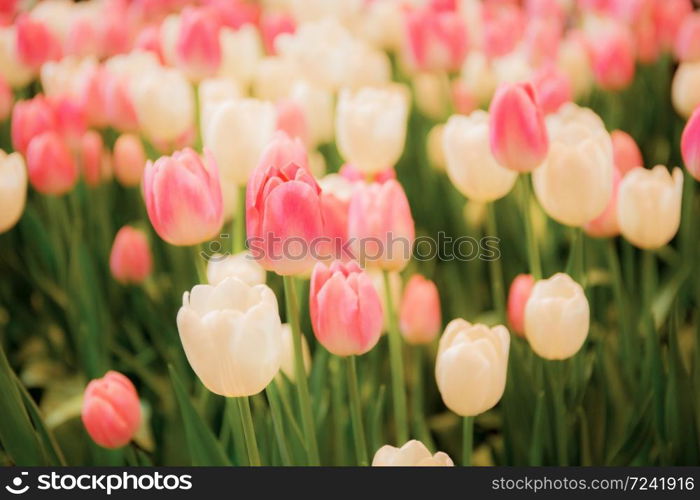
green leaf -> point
(204, 448)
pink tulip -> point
(82, 39)
(272, 25)
(29, 119)
(91, 157)
(381, 225)
(346, 312)
(463, 98)
(437, 38)
(35, 43)
(283, 210)
(71, 119)
(117, 103)
(518, 134)
(292, 120)
(129, 160)
(353, 174)
(605, 225)
(6, 100)
(148, 40)
(93, 97)
(130, 260)
(235, 13)
(542, 38)
(668, 17)
(687, 46)
(553, 88)
(420, 318)
(183, 197)
(50, 165)
(690, 145)
(613, 57)
(197, 48)
(626, 152)
(519, 293)
(111, 410)
(503, 28)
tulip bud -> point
(129, 160)
(287, 362)
(92, 157)
(685, 90)
(690, 145)
(237, 134)
(12, 69)
(412, 454)
(557, 317)
(553, 88)
(232, 336)
(435, 151)
(437, 40)
(519, 293)
(272, 25)
(420, 318)
(197, 48)
(626, 152)
(573, 60)
(380, 222)
(240, 266)
(371, 128)
(291, 120)
(471, 366)
(317, 104)
(518, 136)
(687, 46)
(13, 189)
(183, 197)
(130, 260)
(6, 100)
(470, 164)
(35, 43)
(345, 310)
(433, 94)
(29, 119)
(477, 77)
(649, 206)
(336, 192)
(613, 57)
(50, 165)
(111, 410)
(241, 51)
(606, 225)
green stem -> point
(131, 456)
(626, 340)
(397, 371)
(200, 263)
(417, 405)
(278, 422)
(233, 416)
(299, 372)
(467, 440)
(495, 267)
(533, 251)
(358, 427)
(239, 234)
(574, 266)
(249, 431)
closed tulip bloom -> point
(471, 366)
(412, 454)
(13, 189)
(291, 119)
(274, 24)
(183, 197)
(232, 336)
(336, 192)
(6, 99)
(371, 128)
(129, 160)
(317, 103)
(212, 93)
(420, 318)
(690, 145)
(92, 157)
(130, 260)
(35, 42)
(477, 77)
(283, 210)
(518, 136)
(613, 57)
(197, 48)
(241, 52)
(557, 317)
(111, 410)
(345, 310)
(553, 88)
(626, 152)
(237, 134)
(573, 59)
(518, 295)
(687, 47)
(29, 119)
(287, 363)
(12, 69)
(436, 39)
(685, 90)
(241, 266)
(649, 206)
(470, 164)
(50, 165)
(380, 221)
(606, 225)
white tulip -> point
(13, 189)
(685, 90)
(213, 92)
(649, 206)
(15, 73)
(273, 78)
(573, 59)
(478, 76)
(469, 162)
(433, 94)
(318, 107)
(287, 365)
(241, 51)
(557, 317)
(241, 266)
(471, 366)
(232, 336)
(412, 454)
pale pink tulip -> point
(605, 225)
(129, 160)
(197, 48)
(130, 260)
(29, 119)
(613, 57)
(420, 318)
(91, 157)
(626, 152)
(35, 43)
(437, 39)
(690, 145)
(272, 25)
(687, 45)
(519, 293)
(503, 28)
(50, 165)
(353, 174)
(6, 100)
(553, 88)
(291, 120)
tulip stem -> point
(467, 440)
(200, 263)
(249, 430)
(300, 373)
(619, 293)
(575, 265)
(397, 371)
(495, 268)
(358, 427)
(277, 422)
(239, 235)
(417, 407)
(533, 251)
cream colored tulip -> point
(287, 365)
(13, 189)
(478, 77)
(469, 162)
(435, 151)
(273, 78)
(371, 128)
(649, 206)
(471, 366)
(237, 134)
(212, 93)
(318, 107)
(64, 77)
(685, 90)
(557, 317)
(381, 25)
(575, 182)
(232, 336)
(12, 70)
(412, 454)
(241, 52)
(241, 266)
(433, 94)
(573, 59)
